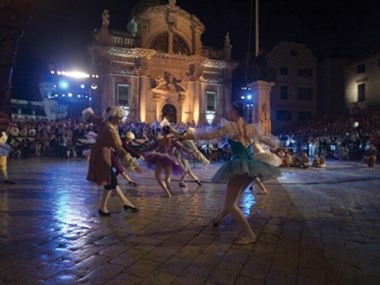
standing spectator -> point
(5, 149)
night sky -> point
(59, 30)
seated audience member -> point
(315, 162)
(322, 161)
(371, 155)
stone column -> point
(170, 41)
(143, 104)
(261, 103)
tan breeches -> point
(3, 167)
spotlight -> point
(249, 97)
(52, 72)
(82, 86)
(94, 86)
(70, 94)
(63, 84)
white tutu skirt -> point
(269, 158)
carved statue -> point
(227, 46)
(105, 19)
(264, 120)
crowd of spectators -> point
(344, 137)
(69, 138)
(340, 137)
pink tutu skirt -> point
(152, 158)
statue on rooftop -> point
(105, 19)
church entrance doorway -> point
(170, 112)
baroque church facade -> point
(159, 66)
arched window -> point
(160, 43)
(180, 46)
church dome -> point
(144, 4)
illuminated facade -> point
(362, 81)
(160, 66)
(294, 96)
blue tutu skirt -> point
(164, 159)
(253, 168)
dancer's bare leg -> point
(225, 210)
(168, 176)
(234, 187)
(126, 177)
(261, 185)
(122, 197)
(182, 179)
(104, 202)
(191, 173)
(161, 182)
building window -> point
(361, 92)
(122, 95)
(305, 94)
(304, 116)
(284, 115)
(304, 72)
(284, 92)
(283, 70)
(210, 101)
(293, 52)
(361, 68)
(160, 43)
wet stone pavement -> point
(316, 226)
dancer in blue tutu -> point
(243, 168)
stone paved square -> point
(316, 226)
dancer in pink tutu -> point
(163, 159)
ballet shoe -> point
(130, 209)
(132, 183)
(198, 182)
(245, 241)
(104, 214)
(181, 184)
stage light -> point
(94, 86)
(63, 84)
(242, 97)
(75, 74)
(63, 95)
(82, 86)
(58, 72)
(56, 95)
(97, 76)
(249, 97)
(52, 72)
(78, 95)
(70, 94)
